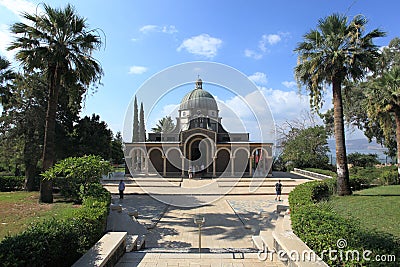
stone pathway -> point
(171, 235)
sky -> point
(257, 38)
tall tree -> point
(337, 50)
(142, 127)
(384, 104)
(92, 137)
(117, 153)
(306, 148)
(135, 134)
(6, 78)
(164, 125)
(59, 43)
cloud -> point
(137, 70)
(259, 78)
(266, 39)
(5, 41)
(169, 29)
(290, 84)
(270, 39)
(19, 6)
(252, 54)
(202, 45)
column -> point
(146, 164)
(232, 166)
(164, 166)
(214, 166)
(251, 165)
(183, 166)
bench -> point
(106, 252)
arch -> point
(241, 162)
(153, 148)
(223, 160)
(156, 160)
(223, 148)
(241, 148)
(174, 162)
(264, 149)
(131, 152)
(198, 136)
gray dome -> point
(198, 99)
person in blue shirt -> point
(121, 188)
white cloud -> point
(266, 39)
(137, 70)
(19, 6)
(259, 78)
(270, 39)
(290, 84)
(5, 41)
(203, 45)
(169, 29)
(148, 28)
(252, 54)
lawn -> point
(19, 209)
(375, 208)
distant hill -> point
(361, 146)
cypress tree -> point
(142, 128)
(135, 134)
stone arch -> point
(174, 160)
(241, 161)
(156, 160)
(223, 160)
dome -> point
(198, 99)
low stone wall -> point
(311, 175)
(291, 249)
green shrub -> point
(59, 242)
(358, 183)
(72, 173)
(320, 227)
(388, 177)
(11, 183)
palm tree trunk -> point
(343, 186)
(397, 119)
(46, 186)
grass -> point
(19, 209)
(375, 208)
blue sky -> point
(255, 37)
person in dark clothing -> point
(121, 188)
(278, 189)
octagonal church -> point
(199, 144)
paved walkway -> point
(171, 235)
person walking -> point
(278, 189)
(190, 174)
(121, 188)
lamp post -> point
(199, 220)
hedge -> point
(315, 222)
(11, 183)
(59, 242)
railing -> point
(312, 175)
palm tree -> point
(165, 125)
(330, 54)
(59, 44)
(6, 76)
(383, 96)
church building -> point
(200, 144)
